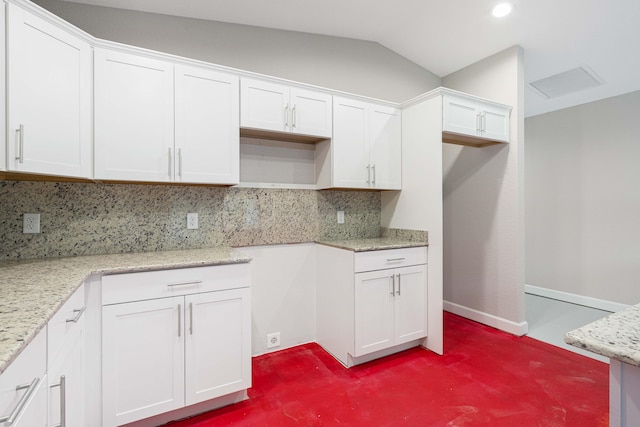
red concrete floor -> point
(486, 378)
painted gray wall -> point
(356, 66)
(583, 201)
(483, 192)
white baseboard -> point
(596, 303)
(509, 326)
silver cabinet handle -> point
(77, 316)
(399, 285)
(393, 284)
(169, 163)
(395, 259)
(191, 318)
(63, 400)
(179, 320)
(20, 156)
(483, 122)
(180, 162)
(31, 388)
(374, 174)
(368, 174)
(293, 116)
(286, 116)
(478, 125)
(193, 282)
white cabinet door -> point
(206, 125)
(311, 112)
(495, 123)
(264, 105)
(143, 359)
(48, 98)
(386, 148)
(66, 381)
(460, 115)
(3, 115)
(218, 344)
(35, 412)
(374, 302)
(23, 386)
(133, 117)
(350, 144)
(410, 315)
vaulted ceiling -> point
(444, 36)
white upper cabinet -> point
(472, 117)
(133, 117)
(207, 126)
(280, 108)
(366, 150)
(48, 97)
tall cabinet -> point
(48, 97)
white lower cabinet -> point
(23, 392)
(163, 354)
(370, 303)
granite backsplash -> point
(88, 218)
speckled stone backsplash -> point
(86, 218)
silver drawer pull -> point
(194, 282)
(23, 401)
(77, 316)
(20, 156)
(395, 259)
(63, 398)
(179, 320)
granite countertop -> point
(616, 336)
(373, 244)
(31, 291)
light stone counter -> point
(616, 336)
(31, 291)
(374, 244)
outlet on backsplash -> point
(31, 223)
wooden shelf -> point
(468, 141)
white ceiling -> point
(444, 36)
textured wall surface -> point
(83, 219)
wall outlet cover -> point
(31, 223)
(192, 221)
(273, 340)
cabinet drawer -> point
(389, 258)
(129, 287)
(63, 322)
(27, 369)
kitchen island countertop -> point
(616, 336)
(32, 291)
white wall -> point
(283, 294)
(355, 66)
(583, 200)
(484, 204)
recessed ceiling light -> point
(502, 9)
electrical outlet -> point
(192, 221)
(340, 217)
(273, 340)
(31, 223)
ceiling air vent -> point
(567, 82)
